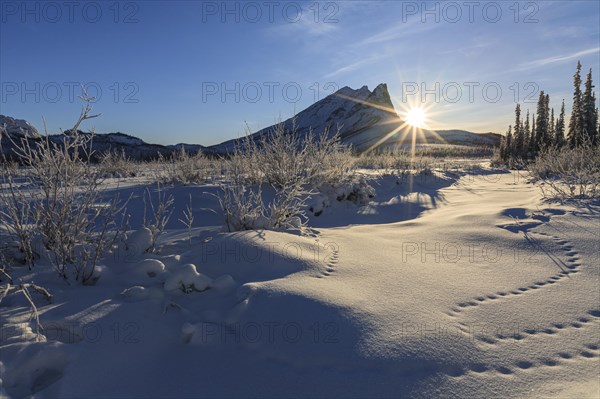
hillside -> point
(366, 120)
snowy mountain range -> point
(366, 120)
(363, 119)
(17, 128)
(133, 147)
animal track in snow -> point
(570, 267)
(555, 328)
(331, 264)
(590, 319)
(586, 352)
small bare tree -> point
(156, 216)
(188, 219)
(65, 202)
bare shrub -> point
(331, 162)
(19, 217)
(61, 199)
(184, 168)
(157, 213)
(117, 164)
(188, 219)
(293, 166)
(243, 207)
(285, 157)
(396, 162)
(568, 172)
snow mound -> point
(143, 272)
(139, 241)
(151, 267)
(187, 279)
(358, 192)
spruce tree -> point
(597, 128)
(503, 148)
(526, 136)
(532, 138)
(576, 122)
(597, 137)
(547, 137)
(560, 128)
(551, 129)
(541, 134)
(588, 111)
(517, 149)
(509, 151)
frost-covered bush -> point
(333, 162)
(268, 181)
(157, 213)
(246, 206)
(397, 161)
(568, 172)
(184, 168)
(357, 191)
(19, 218)
(283, 158)
(243, 206)
(61, 203)
(117, 164)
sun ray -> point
(374, 105)
(386, 137)
(414, 125)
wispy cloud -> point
(471, 50)
(307, 23)
(411, 27)
(348, 68)
(556, 59)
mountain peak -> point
(18, 127)
(347, 91)
(381, 89)
(359, 116)
(381, 96)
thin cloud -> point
(350, 67)
(306, 24)
(411, 27)
(557, 59)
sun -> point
(416, 117)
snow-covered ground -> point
(443, 285)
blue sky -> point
(197, 72)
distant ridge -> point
(133, 147)
(366, 120)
